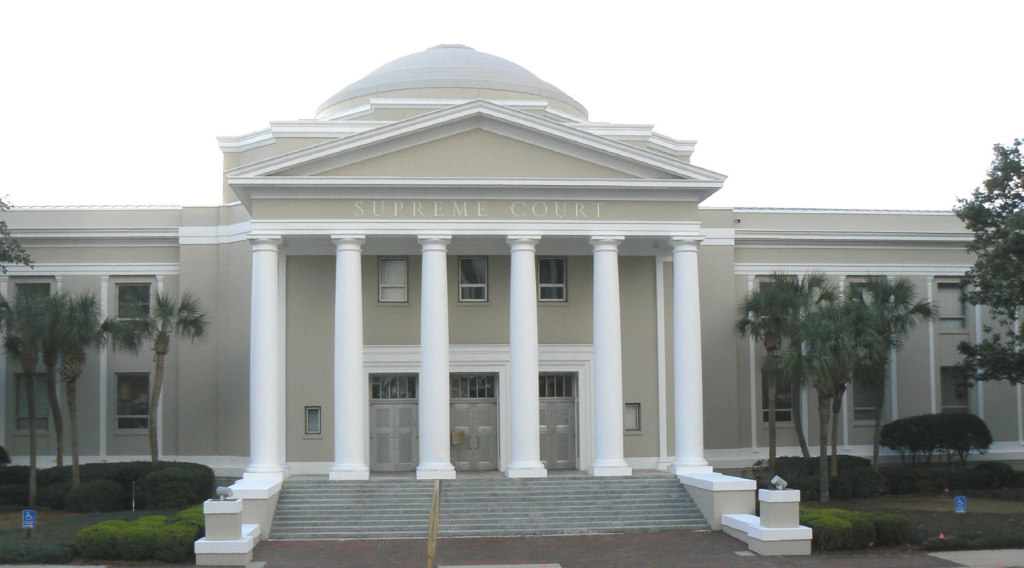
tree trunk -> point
(70, 388)
(154, 402)
(824, 409)
(837, 408)
(772, 430)
(33, 439)
(798, 417)
(877, 438)
(58, 419)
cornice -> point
(850, 239)
(852, 269)
(105, 237)
(96, 269)
(838, 211)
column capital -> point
(434, 242)
(348, 241)
(265, 242)
(685, 242)
(606, 242)
(522, 242)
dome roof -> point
(451, 66)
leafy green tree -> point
(22, 325)
(169, 318)
(80, 328)
(893, 309)
(11, 251)
(995, 213)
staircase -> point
(484, 506)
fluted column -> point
(686, 348)
(434, 424)
(608, 453)
(264, 357)
(350, 388)
(524, 364)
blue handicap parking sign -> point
(28, 519)
(960, 503)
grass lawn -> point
(994, 518)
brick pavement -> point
(639, 550)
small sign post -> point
(28, 521)
(960, 504)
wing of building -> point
(450, 268)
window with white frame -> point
(865, 393)
(42, 402)
(954, 390)
(952, 310)
(132, 401)
(132, 300)
(631, 417)
(313, 426)
(783, 400)
(473, 279)
(552, 279)
(393, 279)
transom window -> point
(42, 402)
(132, 301)
(132, 401)
(393, 279)
(552, 279)
(952, 311)
(392, 386)
(473, 279)
(557, 385)
(472, 386)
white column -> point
(933, 386)
(264, 373)
(3, 377)
(434, 402)
(608, 454)
(524, 361)
(686, 348)
(350, 383)
(103, 362)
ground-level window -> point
(32, 290)
(473, 279)
(313, 420)
(393, 279)
(865, 393)
(42, 402)
(132, 301)
(954, 390)
(631, 417)
(385, 386)
(552, 279)
(132, 401)
(952, 310)
(783, 400)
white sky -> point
(865, 104)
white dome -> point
(448, 66)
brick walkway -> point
(644, 550)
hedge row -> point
(836, 529)
(918, 438)
(108, 486)
(154, 537)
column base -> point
(525, 470)
(686, 467)
(356, 472)
(435, 471)
(610, 471)
(264, 473)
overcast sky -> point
(864, 104)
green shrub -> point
(35, 552)
(98, 541)
(137, 542)
(156, 520)
(1002, 473)
(867, 483)
(97, 495)
(829, 532)
(791, 467)
(5, 458)
(918, 438)
(14, 474)
(169, 488)
(175, 543)
(53, 495)
(52, 475)
(863, 535)
(14, 494)
(892, 530)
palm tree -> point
(79, 329)
(22, 324)
(894, 310)
(183, 318)
(52, 309)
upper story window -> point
(952, 310)
(132, 300)
(552, 279)
(393, 279)
(473, 279)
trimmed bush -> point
(918, 438)
(791, 468)
(863, 535)
(12, 474)
(892, 530)
(830, 533)
(838, 529)
(27, 552)
(98, 541)
(175, 543)
(137, 542)
(14, 494)
(97, 495)
(156, 520)
(169, 488)
(5, 458)
(52, 496)
(1002, 473)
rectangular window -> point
(551, 279)
(32, 290)
(313, 420)
(393, 279)
(783, 401)
(952, 310)
(42, 402)
(631, 417)
(865, 393)
(954, 390)
(132, 401)
(557, 385)
(393, 386)
(473, 279)
(132, 301)
(472, 386)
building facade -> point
(450, 268)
